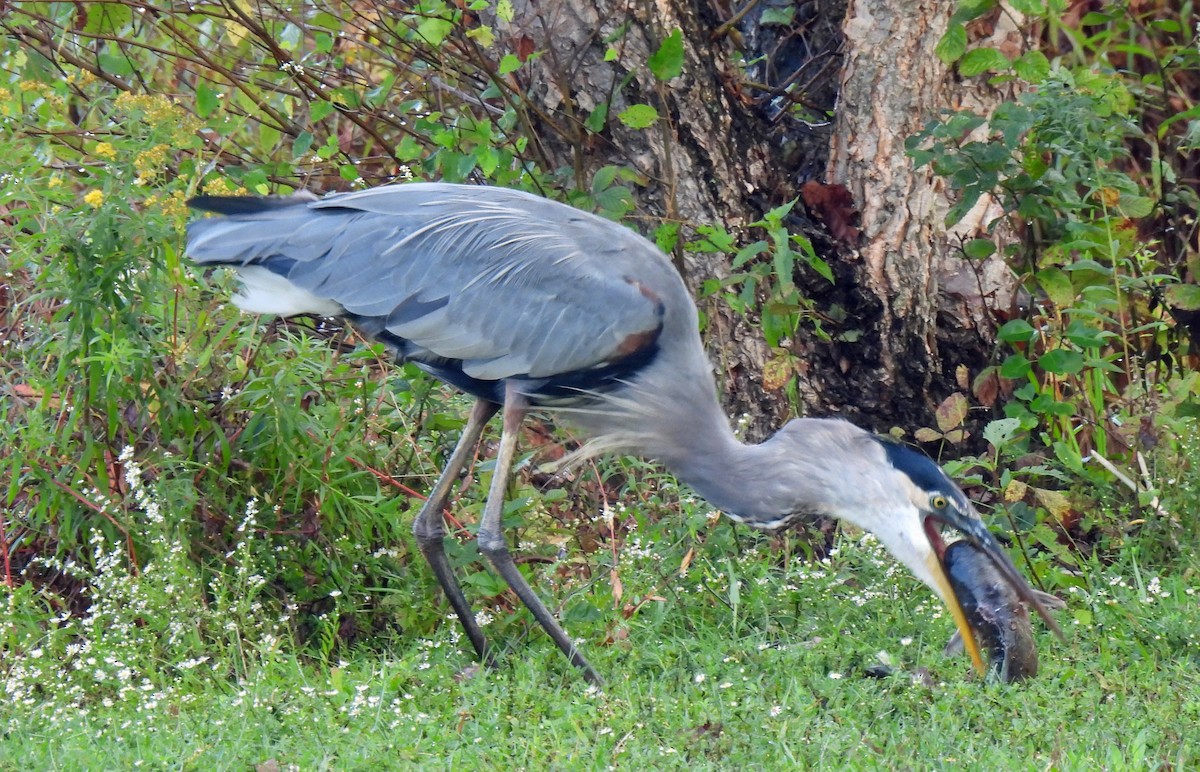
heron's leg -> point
(491, 536)
(430, 528)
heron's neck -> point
(734, 477)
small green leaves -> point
(980, 60)
(778, 16)
(1032, 67)
(1061, 361)
(638, 116)
(508, 64)
(1057, 285)
(1017, 331)
(207, 100)
(667, 61)
(1185, 297)
(1001, 431)
(979, 249)
(106, 18)
(953, 44)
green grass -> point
(768, 674)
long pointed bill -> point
(934, 562)
(975, 532)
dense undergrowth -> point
(194, 498)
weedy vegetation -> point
(205, 517)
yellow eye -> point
(938, 501)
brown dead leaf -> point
(525, 48)
(1015, 491)
(776, 373)
(834, 205)
(687, 561)
(987, 387)
(618, 588)
(952, 412)
(925, 434)
(618, 634)
(963, 377)
(957, 436)
(709, 728)
(1055, 502)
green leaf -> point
(615, 202)
(667, 61)
(289, 37)
(776, 215)
(1016, 331)
(348, 172)
(1085, 336)
(510, 63)
(409, 149)
(980, 60)
(433, 30)
(483, 35)
(1048, 405)
(1057, 286)
(325, 20)
(107, 18)
(597, 118)
(781, 16)
(979, 249)
(317, 111)
(207, 100)
(1061, 361)
(268, 137)
(1185, 297)
(1135, 206)
(114, 64)
(1030, 7)
(1016, 366)
(302, 144)
(638, 116)
(1001, 431)
(1033, 67)
(953, 44)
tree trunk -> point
(935, 310)
(737, 139)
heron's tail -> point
(249, 205)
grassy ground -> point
(745, 662)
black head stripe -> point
(921, 469)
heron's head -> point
(906, 500)
(929, 509)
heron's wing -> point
(508, 284)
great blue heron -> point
(527, 303)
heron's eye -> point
(938, 501)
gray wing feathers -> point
(510, 283)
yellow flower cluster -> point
(94, 198)
(173, 206)
(161, 113)
(150, 163)
(104, 150)
(219, 186)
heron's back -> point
(477, 285)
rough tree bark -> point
(934, 307)
(731, 146)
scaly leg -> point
(491, 536)
(430, 528)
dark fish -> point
(994, 610)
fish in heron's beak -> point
(984, 592)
